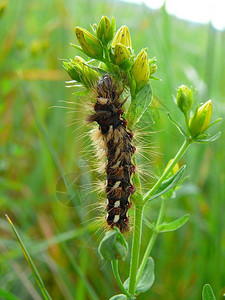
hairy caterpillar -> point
(115, 141)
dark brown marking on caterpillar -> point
(119, 151)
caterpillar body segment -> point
(115, 140)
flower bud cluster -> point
(199, 121)
(114, 53)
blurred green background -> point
(38, 148)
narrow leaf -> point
(78, 48)
(168, 184)
(139, 105)
(213, 123)
(155, 78)
(207, 293)
(149, 224)
(35, 272)
(211, 139)
(203, 136)
(100, 70)
(172, 226)
(119, 297)
(81, 93)
(177, 125)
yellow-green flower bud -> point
(105, 30)
(153, 68)
(80, 72)
(122, 36)
(79, 60)
(73, 69)
(141, 70)
(184, 98)
(175, 168)
(90, 77)
(199, 122)
(89, 43)
(103, 66)
(122, 57)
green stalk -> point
(138, 216)
(187, 123)
(178, 156)
(106, 59)
(137, 183)
(139, 204)
(152, 240)
(136, 244)
(115, 269)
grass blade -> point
(207, 293)
(80, 273)
(35, 272)
(7, 295)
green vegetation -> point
(39, 155)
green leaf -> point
(177, 125)
(147, 278)
(7, 295)
(149, 224)
(207, 293)
(172, 226)
(35, 272)
(139, 105)
(168, 184)
(78, 48)
(100, 70)
(215, 122)
(113, 246)
(119, 297)
(81, 93)
(155, 78)
(208, 140)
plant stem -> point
(106, 59)
(187, 124)
(115, 269)
(137, 196)
(139, 204)
(152, 240)
(136, 243)
(138, 216)
(178, 156)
